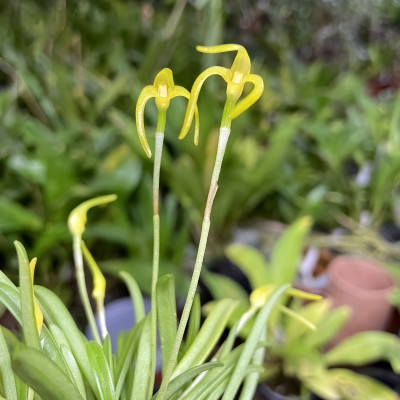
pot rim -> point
(336, 274)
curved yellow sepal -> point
(251, 98)
(180, 91)
(78, 216)
(194, 95)
(146, 94)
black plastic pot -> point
(264, 392)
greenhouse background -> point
(310, 175)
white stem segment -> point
(101, 316)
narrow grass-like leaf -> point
(143, 364)
(29, 325)
(166, 312)
(101, 371)
(213, 383)
(73, 370)
(207, 337)
(180, 381)
(43, 375)
(125, 356)
(55, 312)
(52, 348)
(136, 295)
(251, 343)
(194, 323)
(107, 349)
(251, 380)
(6, 372)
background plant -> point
(300, 333)
(70, 73)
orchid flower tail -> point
(194, 95)
(181, 91)
(146, 94)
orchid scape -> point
(51, 359)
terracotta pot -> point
(364, 285)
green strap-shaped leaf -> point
(252, 262)
(166, 312)
(312, 312)
(143, 364)
(365, 348)
(327, 328)
(4, 279)
(43, 375)
(251, 343)
(136, 295)
(56, 313)
(287, 251)
(9, 296)
(107, 349)
(6, 372)
(125, 356)
(101, 371)
(73, 370)
(207, 337)
(353, 386)
(222, 287)
(10, 339)
(29, 326)
(59, 336)
(51, 348)
(251, 380)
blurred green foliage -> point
(70, 74)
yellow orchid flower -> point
(235, 77)
(260, 295)
(163, 90)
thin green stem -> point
(222, 141)
(156, 243)
(80, 277)
(162, 117)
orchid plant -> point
(53, 360)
